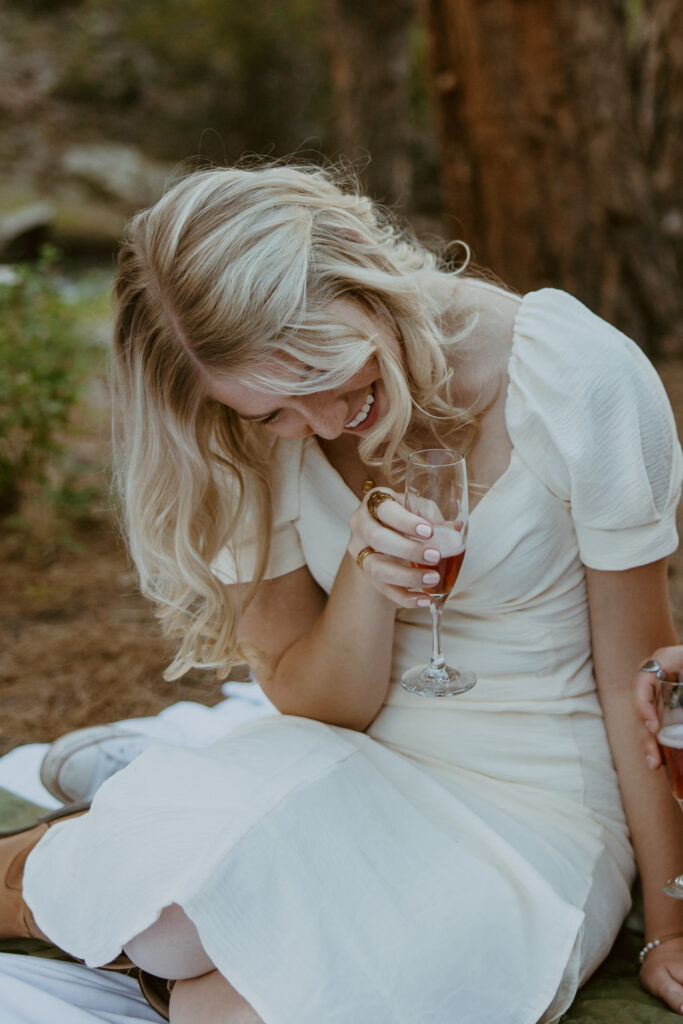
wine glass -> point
(670, 739)
(436, 489)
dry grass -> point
(80, 646)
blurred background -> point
(548, 136)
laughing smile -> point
(363, 412)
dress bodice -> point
(593, 479)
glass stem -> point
(437, 660)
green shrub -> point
(45, 361)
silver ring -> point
(654, 667)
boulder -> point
(70, 219)
(24, 229)
(85, 226)
(116, 170)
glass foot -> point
(674, 887)
(442, 682)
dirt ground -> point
(79, 646)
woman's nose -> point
(325, 414)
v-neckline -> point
(495, 486)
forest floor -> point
(80, 646)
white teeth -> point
(363, 414)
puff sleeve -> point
(237, 562)
(589, 416)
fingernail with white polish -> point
(423, 531)
(431, 555)
(423, 602)
(430, 578)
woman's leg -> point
(16, 919)
(170, 948)
(209, 1000)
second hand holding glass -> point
(436, 488)
(670, 739)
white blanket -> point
(35, 991)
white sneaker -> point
(76, 765)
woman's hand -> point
(662, 972)
(397, 538)
(644, 689)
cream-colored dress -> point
(466, 860)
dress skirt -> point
(330, 878)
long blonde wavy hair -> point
(232, 273)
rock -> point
(68, 218)
(84, 226)
(116, 170)
(24, 229)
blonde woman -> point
(370, 855)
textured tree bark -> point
(368, 46)
(659, 84)
(544, 167)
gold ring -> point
(375, 500)
(363, 554)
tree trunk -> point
(368, 46)
(659, 84)
(544, 169)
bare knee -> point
(209, 1000)
(171, 947)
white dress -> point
(466, 860)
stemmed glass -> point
(436, 488)
(670, 739)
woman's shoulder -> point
(559, 342)
(546, 341)
(588, 414)
(568, 361)
(550, 314)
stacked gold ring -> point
(363, 554)
(375, 500)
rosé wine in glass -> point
(436, 488)
(670, 739)
(452, 547)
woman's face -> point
(352, 408)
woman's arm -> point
(323, 658)
(329, 658)
(630, 617)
